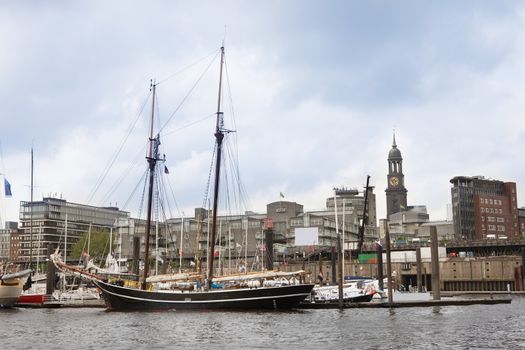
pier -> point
(414, 303)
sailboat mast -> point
(31, 216)
(152, 161)
(219, 136)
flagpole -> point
(343, 243)
(2, 213)
(7, 193)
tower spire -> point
(394, 138)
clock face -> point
(394, 181)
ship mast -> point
(152, 162)
(219, 136)
(31, 218)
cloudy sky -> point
(316, 87)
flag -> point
(281, 195)
(166, 171)
(7, 188)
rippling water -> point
(450, 327)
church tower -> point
(396, 193)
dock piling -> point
(435, 263)
(418, 271)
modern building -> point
(350, 210)
(9, 242)
(241, 237)
(60, 223)
(484, 208)
(404, 225)
(396, 193)
(284, 216)
(182, 241)
(5, 242)
(444, 228)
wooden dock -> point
(418, 303)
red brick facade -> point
(497, 216)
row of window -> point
(490, 201)
(492, 210)
(493, 219)
(500, 228)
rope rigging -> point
(233, 196)
(117, 153)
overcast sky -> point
(317, 88)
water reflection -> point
(438, 327)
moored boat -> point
(11, 286)
(269, 290)
(353, 292)
(277, 297)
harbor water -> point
(446, 327)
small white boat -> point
(352, 292)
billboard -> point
(306, 236)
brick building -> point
(484, 209)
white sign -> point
(306, 236)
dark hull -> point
(283, 297)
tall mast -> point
(152, 162)
(31, 216)
(219, 135)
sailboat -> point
(265, 290)
(35, 288)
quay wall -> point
(499, 273)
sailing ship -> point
(265, 290)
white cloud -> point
(317, 90)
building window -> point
(296, 222)
(236, 224)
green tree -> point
(98, 245)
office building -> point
(484, 208)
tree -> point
(98, 245)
